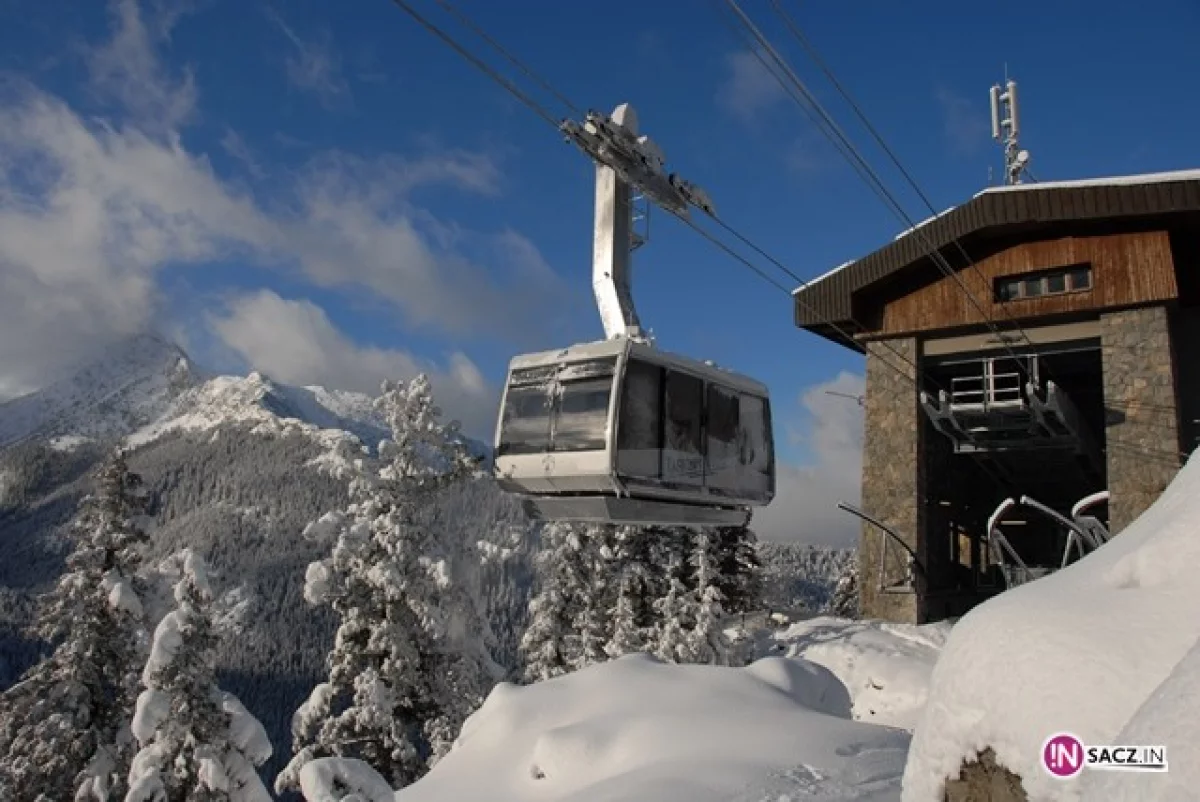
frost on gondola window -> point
(683, 456)
(639, 425)
(724, 436)
(581, 421)
(756, 441)
(526, 426)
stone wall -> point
(891, 478)
(1142, 431)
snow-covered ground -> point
(1080, 652)
(884, 667)
(1168, 717)
(635, 728)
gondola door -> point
(683, 430)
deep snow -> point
(635, 728)
(885, 667)
(1169, 717)
(1078, 651)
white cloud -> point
(964, 123)
(127, 68)
(749, 88)
(91, 212)
(233, 144)
(804, 508)
(296, 343)
(314, 66)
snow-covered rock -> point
(269, 408)
(130, 386)
(145, 387)
(635, 728)
(1079, 651)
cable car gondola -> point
(619, 431)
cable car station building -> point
(1059, 357)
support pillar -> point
(891, 474)
(1142, 424)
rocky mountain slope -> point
(130, 386)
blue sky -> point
(328, 193)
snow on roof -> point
(924, 222)
(1078, 651)
(635, 728)
(1119, 180)
(824, 276)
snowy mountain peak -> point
(130, 385)
(145, 387)
(270, 408)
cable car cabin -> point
(619, 432)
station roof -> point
(994, 219)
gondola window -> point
(683, 453)
(582, 418)
(526, 427)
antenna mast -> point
(1006, 128)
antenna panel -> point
(995, 98)
(1014, 120)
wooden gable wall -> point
(1127, 269)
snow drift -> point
(635, 728)
(885, 667)
(1168, 717)
(1079, 651)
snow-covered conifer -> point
(845, 593)
(739, 569)
(627, 636)
(675, 618)
(592, 624)
(707, 642)
(64, 726)
(546, 646)
(632, 615)
(197, 741)
(410, 659)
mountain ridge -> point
(146, 386)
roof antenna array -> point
(1006, 128)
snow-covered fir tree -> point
(676, 615)
(706, 642)
(592, 624)
(560, 582)
(410, 658)
(605, 591)
(632, 615)
(197, 741)
(739, 569)
(64, 726)
(845, 593)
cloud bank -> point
(804, 506)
